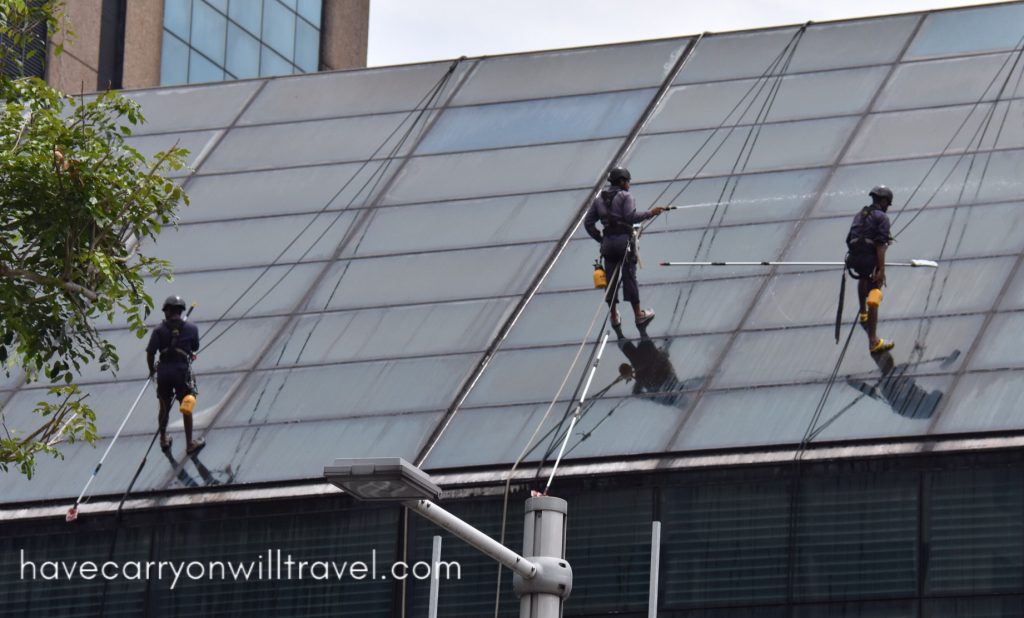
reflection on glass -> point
(271, 63)
(243, 53)
(208, 28)
(898, 390)
(278, 28)
(177, 17)
(200, 69)
(248, 14)
(969, 30)
(173, 61)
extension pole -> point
(73, 511)
(576, 413)
(911, 263)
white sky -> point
(407, 31)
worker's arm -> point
(150, 358)
(882, 241)
(590, 221)
(629, 213)
(880, 268)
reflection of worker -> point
(652, 372)
(176, 341)
(867, 241)
(899, 390)
(615, 208)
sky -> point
(408, 31)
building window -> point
(214, 40)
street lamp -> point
(542, 580)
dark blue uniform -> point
(175, 341)
(870, 229)
(615, 208)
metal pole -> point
(652, 603)
(912, 263)
(435, 579)
(544, 542)
(508, 558)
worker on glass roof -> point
(867, 241)
(176, 341)
(615, 208)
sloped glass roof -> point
(389, 262)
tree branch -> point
(73, 288)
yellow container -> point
(600, 279)
(187, 404)
(875, 298)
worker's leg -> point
(872, 324)
(165, 410)
(630, 286)
(187, 419)
(613, 250)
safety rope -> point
(949, 144)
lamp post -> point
(542, 579)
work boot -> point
(644, 318)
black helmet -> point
(618, 174)
(174, 301)
(881, 192)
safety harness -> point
(167, 353)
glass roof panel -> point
(1001, 346)
(352, 389)
(279, 192)
(426, 277)
(859, 407)
(197, 143)
(193, 107)
(808, 354)
(805, 143)
(955, 287)
(111, 402)
(932, 132)
(655, 366)
(233, 351)
(972, 231)
(251, 242)
(277, 291)
(499, 125)
(347, 93)
(947, 82)
(1014, 298)
(987, 177)
(751, 198)
(390, 332)
(809, 95)
(968, 30)
(987, 401)
(65, 478)
(500, 172)
(740, 243)
(823, 46)
(308, 143)
(491, 221)
(682, 308)
(260, 454)
(607, 427)
(573, 71)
